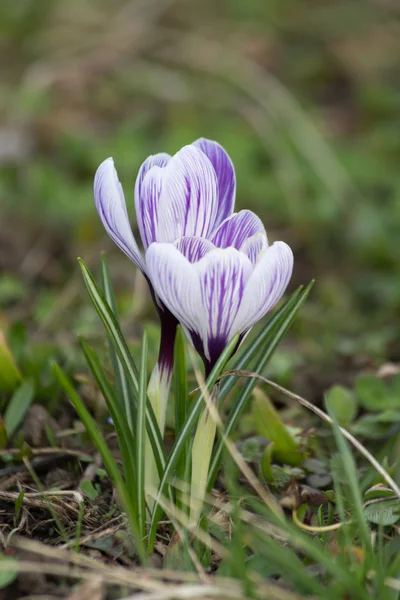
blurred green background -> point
(303, 96)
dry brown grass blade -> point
(154, 583)
(81, 564)
(192, 592)
(139, 577)
(41, 500)
(45, 452)
(320, 413)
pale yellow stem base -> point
(201, 455)
(157, 391)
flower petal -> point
(225, 172)
(147, 206)
(176, 283)
(223, 276)
(205, 296)
(266, 285)
(235, 230)
(193, 248)
(188, 203)
(110, 204)
(253, 246)
(147, 194)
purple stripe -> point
(225, 174)
(188, 203)
(235, 230)
(193, 248)
(148, 188)
(223, 279)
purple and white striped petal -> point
(147, 194)
(223, 274)
(235, 230)
(176, 283)
(156, 160)
(194, 248)
(254, 245)
(225, 172)
(266, 285)
(188, 202)
(204, 296)
(147, 207)
(111, 207)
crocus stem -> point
(201, 456)
(158, 392)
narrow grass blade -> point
(141, 437)
(185, 434)
(181, 409)
(125, 357)
(108, 460)
(18, 406)
(124, 433)
(18, 504)
(181, 384)
(124, 392)
(270, 341)
(352, 480)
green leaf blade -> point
(181, 409)
(124, 392)
(124, 433)
(122, 350)
(105, 453)
(141, 437)
(18, 406)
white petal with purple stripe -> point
(147, 195)
(254, 245)
(175, 281)
(266, 285)
(111, 206)
(193, 248)
(225, 173)
(188, 202)
(205, 296)
(223, 275)
(235, 230)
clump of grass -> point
(133, 416)
(326, 550)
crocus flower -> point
(220, 288)
(207, 267)
(176, 198)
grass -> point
(303, 98)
